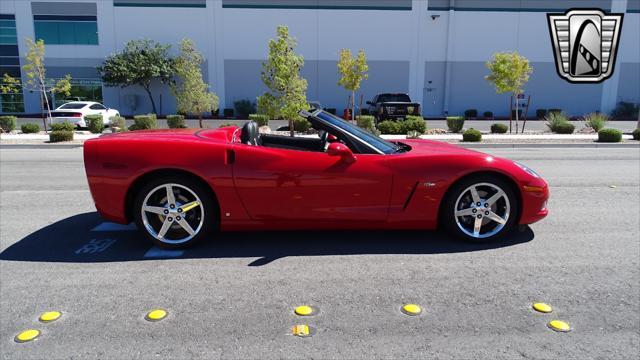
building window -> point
(66, 30)
(10, 64)
(82, 90)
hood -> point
(437, 147)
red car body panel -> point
(264, 188)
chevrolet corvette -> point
(181, 186)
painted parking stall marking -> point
(95, 246)
(156, 252)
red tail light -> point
(76, 114)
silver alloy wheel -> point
(172, 213)
(482, 206)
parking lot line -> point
(109, 226)
(156, 252)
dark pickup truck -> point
(392, 106)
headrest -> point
(250, 133)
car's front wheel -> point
(481, 208)
(174, 212)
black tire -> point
(448, 209)
(207, 202)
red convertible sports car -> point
(180, 186)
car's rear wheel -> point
(481, 209)
(174, 212)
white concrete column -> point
(215, 55)
(416, 64)
(610, 86)
(449, 56)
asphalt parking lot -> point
(234, 297)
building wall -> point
(433, 49)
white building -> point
(435, 50)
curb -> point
(594, 145)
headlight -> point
(527, 170)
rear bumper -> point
(77, 121)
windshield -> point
(375, 141)
(72, 106)
(394, 98)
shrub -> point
(7, 123)
(261, 119)
(227, 113)
(609, 135)
(488, 115)
(414, 123)
(625, 110)
(471, 113)
(60, 135)
(565, 128)
(499, 128)
(244, 108)
(390, 127)
(412, 134)
(225, 124)
(366, 122)
(541, 113)
(555, 119)
(472, 135)
(513, 114)
(301, 125)
(94, 123)
(455, 123)
(596, 121)
(175, 122)
(63, 126)
(144, 122)
(118, 124)
(636, 134)
(30, 128)
(554, 111)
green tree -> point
(281, 74)
(191, 92)
(139, 63)
(353, 71)
(36, 74)
(509, 72)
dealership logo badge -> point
(585, 42)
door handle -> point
(230, 157)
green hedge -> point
(175, 122)
(7, 123)
(471, 113)
(30, 128)
(60, 135)
(144, 122)
(117, 124)
(472, 135)
(63, 126)
(366, 122)
(541, 113)
(499, 128)
(488, 115)
(390, 127)
(94, 123)
(565, 128)
(609, 135)
(260, 119)
(636, 134)
(301, 125)
(414, 123)
(455, 123)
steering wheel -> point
(324, 136)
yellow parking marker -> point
(27, 335)
(542, 307)
(301, 330)
(49, 316)
(305, 310)
(156, 315)
(411, 309)
(559, 325)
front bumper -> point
(534, 202)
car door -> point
(282, 184)
(99, 109)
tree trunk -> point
(200, 119)
(291, 130)
(44, 118)
(153, 104)
(353, 106)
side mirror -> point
(339, 149)
(369, 103)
